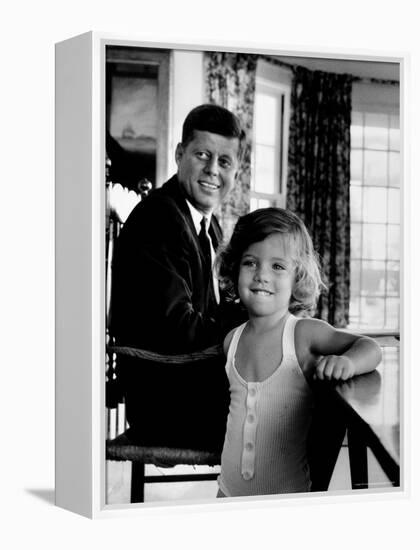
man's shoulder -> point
(162, 215)
(167, 197)
(162, 203)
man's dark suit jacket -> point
(163, 301)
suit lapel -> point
(173, 189)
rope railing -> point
(170, 359)
(214, 351)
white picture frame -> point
(80, 268)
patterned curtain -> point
(230, 82)
(319, 178)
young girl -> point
(270, 264)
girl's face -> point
(266, 277)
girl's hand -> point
(334, 367)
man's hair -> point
(256, 227)
(214, 119)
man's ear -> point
(179, 151)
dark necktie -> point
(205, 243)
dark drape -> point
(230, 82)
(319, 178)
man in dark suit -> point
(165, 297)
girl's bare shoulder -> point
(306, 327)
(306, 332)
(228, 340)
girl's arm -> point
(334, 354)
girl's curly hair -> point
(255, 227)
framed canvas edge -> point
(73, 275)
(405, 278)
(94, 409)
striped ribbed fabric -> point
(265, 444)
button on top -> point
(250, 418)
(252, 392)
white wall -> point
(378, 97)
(186, 92)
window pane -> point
(253, 204)
(355, 203)
(354, 311)
(356, 130)
(392, 313)
(373, 312)
(375, 168)
(374, 242)
(374, 204)
(259, 202)
(373, 278)
(266, 119)
(375, 217)
(393, 279)
(394, 206)
(356, 240)
(265, 170)
(394, 134)
(356, 164)
(394, 169)
(355, 267)
(394, 244)
(376, 131)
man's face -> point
(207, 169)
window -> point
(375, 218)
(270, 138)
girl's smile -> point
(266, 276)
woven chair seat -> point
(121, 448)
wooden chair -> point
(120, 448)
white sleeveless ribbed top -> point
(265, 444)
